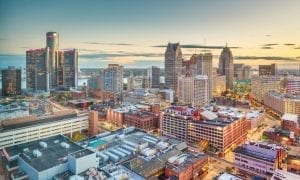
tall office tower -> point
(267, 69)
(193, 90)
(95, 82)
(52, 42)
(205, 67)
(173, 65)
(113, 78)
(11, 81)
(226, 66)
(67, 69)
(37, 70)
(153, 74)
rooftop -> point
(183, 161)
(280, 174)
(46, 153)
(81, 153)
(43, 120)
(290, 117)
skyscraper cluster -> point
(49, 68)
(182, 75)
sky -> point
(134, 32)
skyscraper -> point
(113, 78)
(52, 42)
(11, 81)
(173, 65)
(205, 67)
(37, 70)
(154, 76)
(193, 90)
(226, 66)
(67, 69)
(48, 68)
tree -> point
(77, 136)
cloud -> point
(102, 43)
(266, 47)
(3, 39)
(271, 58)
(111, 55)
(194, 46)
(297, 47)
(268, 35)
(289, 44)
(271, 44)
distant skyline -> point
(136, 31)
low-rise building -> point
(259, 157)
(44, 158)
(147, 121)
(38, 128)
(283, 175)
(187, 166)
(290, 122)
(293, 162)
(280, 103)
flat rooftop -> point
(43, 120)
(81, 153)
(52, 154)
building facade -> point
(173, 65)
(281, 103)
(260, 85)
(193, 90)
(226, 66)
(113, 78)
(219, 85)
(205, 67)
(292, 84)
(153, 74)
(268, 70)
(11, 81)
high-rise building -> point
(267, 69)
(48, 68)
(260, 85)
(226, 66)
(154, 76)
(95, 82)
(205, 67)
(67, 71)
(37, 71)
(193, 90)
(242, 72)
(113, 78)
(173, 65)
(52, 42)
(11, 81)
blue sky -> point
(132, 27)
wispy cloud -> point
(3, 39)
(271, 58)
(266, 47)
(111, 55)
(102, 43)
(289, 44)
(195, 46)
(297, 47)
(268, 35)
(271, 44)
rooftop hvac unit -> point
(43, 144)
(65, 145)
(36, 153)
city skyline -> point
(129, 34)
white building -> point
(42, 128)
(259, 157)
(193, 90)
(282, 103)
(260, 85)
